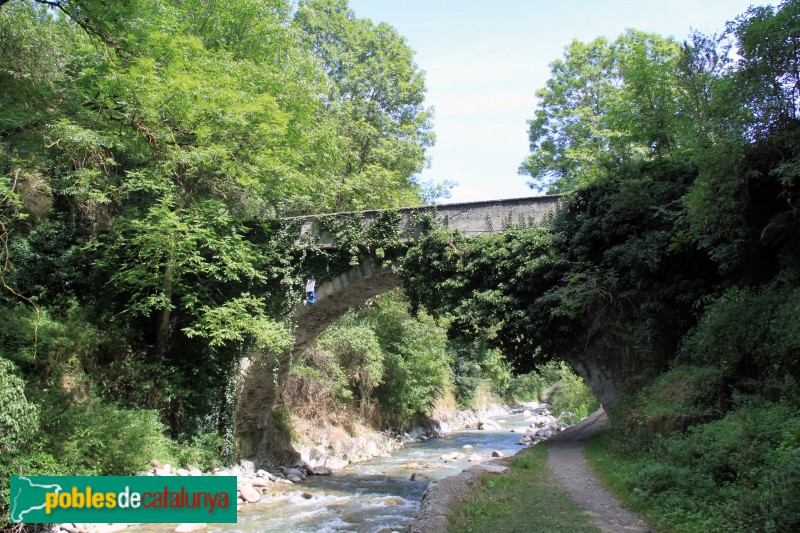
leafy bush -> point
(100, 439)
(527, 387)
(676, 399)
(752, 334)
(739, 473)
(359, 356)
(570, 394)
(478, 368)
(19, 419)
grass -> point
(738, 473)
(613, 471)
(522, 500)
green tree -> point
(604, 103)
(377, 92)
(768, 70)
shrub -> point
(738, 473)
(570, 394)
(96, 438)
(676, 399)
(19, 419)
(752, 333)
(527, 387)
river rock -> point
(467, 447)
(455, 456)
(296, 472)
(260, 482)
(165, 470)
(249, 494)
(475, 458)
(539, 421)
(322, 471)
(545, 432)
(247, 466)
(524, 441)
(111, 528)
(494, 469)
(307, 495)
(416, 476)
(190, 528)
(488, 424)
(394, 500)
(182, 472)
(497, 453)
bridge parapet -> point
(471, 218)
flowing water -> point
(375, 495)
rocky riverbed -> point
(380, 494)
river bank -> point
(336, 447)
(551, 482)
(379, 494)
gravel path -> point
(566, 460)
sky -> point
(485, 60)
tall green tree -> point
(605, 102)
(377, 92)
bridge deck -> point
(472, 218)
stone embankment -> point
(334, 448)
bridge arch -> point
(260, 378)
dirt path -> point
(569, 467)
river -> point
(372, 496)
(375, 495)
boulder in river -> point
(416, 476)
(296, 472)
(249, 494)
(321, 471)
(488, 424)
(475, 458)
(497, 453)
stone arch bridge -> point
(258, 378)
